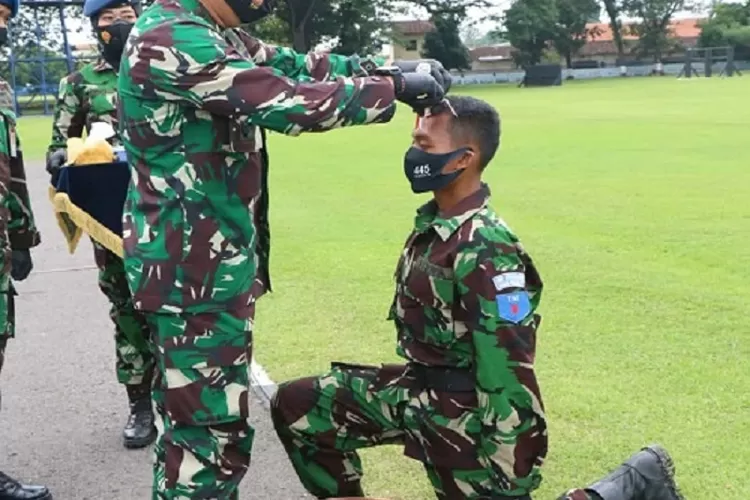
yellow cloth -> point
(73, 221)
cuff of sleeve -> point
(23, 240)
(364, 66)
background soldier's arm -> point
(213, 76)
(504, 350)
(22, 230)
(70, 117)
(319, 66)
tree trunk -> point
(612, 11)
(300, 17)
(299, 41)
(569, 60)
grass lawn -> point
(633, 196)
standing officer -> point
(88, 96)
(193, 99)
(18, 234)
(466, 403)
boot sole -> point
(667, 466)
(134, 444)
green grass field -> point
(633, 196)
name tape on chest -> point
(509, 280)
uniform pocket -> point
(445, 430)
(204, 363)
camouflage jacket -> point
(18, 230)
(86, 96)
(466, 297)
(193, 98)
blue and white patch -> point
(513, 306)
(509, 280)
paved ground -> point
(62, 409)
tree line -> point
(537, 30)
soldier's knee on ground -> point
(292, 401)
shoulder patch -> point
(509, 280)
(513, 306)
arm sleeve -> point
(70, 117)
(22, 230)
(500, 306)
(201, 68)
(318, 66)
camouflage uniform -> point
(88, 96)
(193, 100)
(17, 228)
(467, 403)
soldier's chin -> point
(221, 12)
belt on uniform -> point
(444, 378)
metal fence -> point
(484, 78)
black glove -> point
(430, 66)
(21, 265)
(56, 161)
(418, 90)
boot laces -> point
(139, 415)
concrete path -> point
(62, 408)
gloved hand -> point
(429, 66)
(21, 264)
(418, 90)
(56, 160)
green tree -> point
(360, 26)
(356, 26)
(614, 9)
(728, 25)
(653, 29)
(570, 31)
(454, 8)
(444, 44)
(530, 26)
(36, 43)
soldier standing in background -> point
(193, 98)
(86, 97)
(18, 234)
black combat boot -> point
(140, 430)
(10, 489)
(647, 475)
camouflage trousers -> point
(7, 315)
(134, 360)
(201, 394)
(323, 421)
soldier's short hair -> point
(477, 121)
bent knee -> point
(293, 400)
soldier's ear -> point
(468, 158)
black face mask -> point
(425, 170)
(247, 14)
(3, 36)
(112, 40)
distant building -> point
(408, 38)
(602, 47)
(492, 58)
(408, 42)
